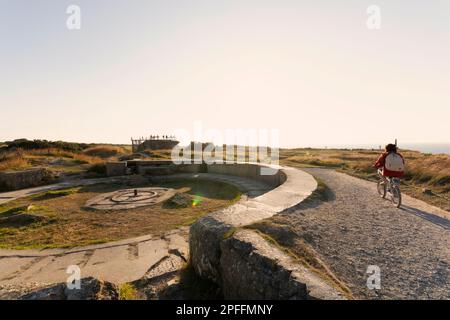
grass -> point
(54, 194)
(23, 219)
(13, 161)
(66, 223)
(14, 164)
(97, 170)
(423, 171)
(79, 158)
(128, 292)
(322, 193)
(60, 160)
(159, 154)
(229, 233)
(104, 151)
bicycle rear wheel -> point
(381, 187)
(396, 196)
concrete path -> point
(118, 262)
(355, 229)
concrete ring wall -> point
(207, 236)
(239, 260)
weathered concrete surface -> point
(252, 268)
(118, 168)
(157, 144)
(205, 237)
(116, 262)
(130, 198)
(25, 179)
(267, 174)
(207, 233)
(250, 188)
(13, 195)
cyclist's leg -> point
(387, 180)
(382, 177)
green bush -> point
(44, 144)
(98, 169)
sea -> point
(433, 148)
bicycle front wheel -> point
(381, 187)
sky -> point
(312, 71)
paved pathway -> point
(356, 228)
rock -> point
(51, 293)
(17, 290)
(180, 200)
(91, 289)
(116, 168)
(25, 179)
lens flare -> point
(196, 201)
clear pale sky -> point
(312, 70)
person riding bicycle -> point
(391, 163)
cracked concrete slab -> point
(117, 262)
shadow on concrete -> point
(442, 222)
(321, 195)
(187, 287)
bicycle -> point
(392, 186)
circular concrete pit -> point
(130, 198)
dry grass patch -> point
(14, 164)
(104, 151)
(69, 224)
(159, 154)
(79, 158)
(56, 158)
(13, 160)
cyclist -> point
(390, 163)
